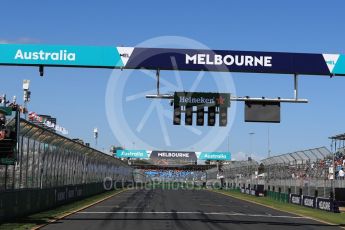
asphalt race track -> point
(159, 209)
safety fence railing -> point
(46, 159)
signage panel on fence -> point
(326, 204)
(295, 199)
(308, 201)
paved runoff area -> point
(158, 209)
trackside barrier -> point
(309, 201)
(321, 203)
(23, 202)
(282, 197)
(248, 191)
(295, 199)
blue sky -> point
(77, 96)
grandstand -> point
(305, 172)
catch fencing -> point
(46, 159)
(51, 170)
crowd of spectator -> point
(174, 174)
(339, 160)
(319, 169)
(306, 169)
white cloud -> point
(22, 40)
(2, 41)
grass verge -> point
(323, 216)
(35, 220)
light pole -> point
(268, 143)
(26, 97)
(251, 144)
(251, 152)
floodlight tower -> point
(27, 94)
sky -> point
(80, 100)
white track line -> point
(204, 213)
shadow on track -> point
(206, 220)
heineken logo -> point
(200, 98)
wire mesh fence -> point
(46, 159)
(307, 172)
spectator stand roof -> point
(338, 142)
(299, 157)
(47, 136)
(339, 137)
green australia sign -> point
(52, 55)
(141, 154)
(222, 156)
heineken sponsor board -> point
(201, 99)
(224, 156)
(142, 154)
(184, 59)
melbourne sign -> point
(173, 155)
(201, 99)
(161, 58)
(189, 156)
(238, 60)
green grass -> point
(45, 217)
(334, 218)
